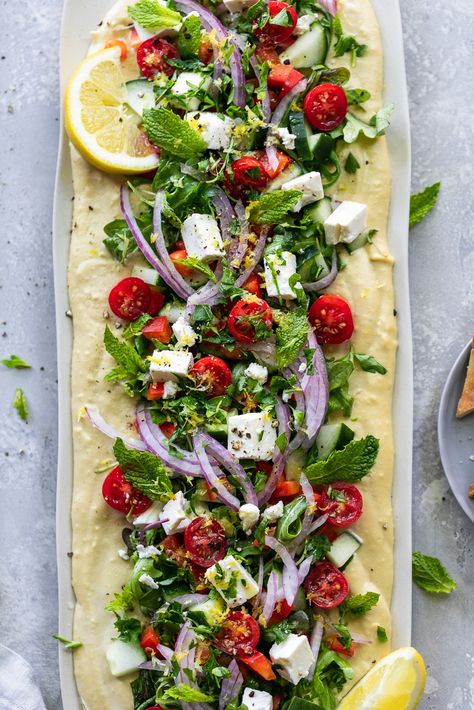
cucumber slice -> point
(302, 130)
(140, 95)
(321, 147)
(292, 172)
(311, 265)
(308, 50)
(321, 210)
(332, 437)
(173, 311)
(343, 548)
(360, 241)
(300, 603)
(149, 276)
(210, 612)
(124, 658)
(295, 464)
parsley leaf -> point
(152, 15)
(168, 131)
(129, 629)
(68, 644)
(15, 362)
(189, 37)
(350, 464)
(129, 361)
(317, 546)
(20, 404)
(187, 694)
(124, 601)
(358, 604)
(352, 164)
(291, 335)
(136, 327)
(271, 207)
(423, 202)
(429, 574)
(143, 470)
(119, 240)
(376, 126)
(369, 363)
(381, 634)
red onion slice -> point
(226, 459)
(240, 244)
(315, 644)
(161, 246)
(274, 477)
(165, 651)
(329, 5)
(271, 598)
(231, 686)
(318, 523)
(317, 392)
(325, 281)
(272, 156)
(290, 570)
(99, 423)
(266, 109)
(280, 110)
(257, 255)
(210, 475)
(303, 570)
(225, 212)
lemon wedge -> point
(97, 119)
(396, 682)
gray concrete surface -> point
(440, 61)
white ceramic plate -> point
(79, 19)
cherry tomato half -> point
(238, 635)
(335, 645)
(286, 489)
(205, 541)
(331, 317)
(212, 373)
(282, 610)
(120, 495)
(173, 546)
(260, 665)
(343, 503)
(158, 329)
(252, 285)
(155, 391)
(206, 51)
(249, 172)
(168, 429)
(152, 56)
(149, 641)
(325, 586)
(325, 106)
(247, 316)
(156, 302)
(280, 26)
(130, 298)
(267, 54)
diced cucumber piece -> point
(173, 311)
(291, 172)
(343, 548)
(300, 603)
(124, 658)
(360, 241)
(219, 429)
(321, 145)
(312, 265)
(320, 211)
(208, 612)
(295, 465)
(139, 95)
(332, 437)
(149, 276)
(308, 50)
(302, 130)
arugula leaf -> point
(189, 37)
(351, 165)
(358, 604)
(69, 645)
(129, 361)
(429, 574)
(350, 464)
(376, 126)
(129, 629)
(271, 207)
(357, 96)
(296, 623)
(291, 335)
(381, 634)
(136, 327)
(20, 404)
(344, 635)
(119, 240)
(143, 470)
(187, 694)
(195, 263)
(168, 131)
(14, 361)
(347, 43)
(370, 364)
(123, 601)
(423, 202)
(152, 15)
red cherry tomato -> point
(212, 373)
(238, 635)
(335, 645)
(173, 547)
(284, 161)
(280, 26)
(206, 51)
(180, 255)
(158, 329)
(155, 391)
(120, 495)
(205, 541)
(249, 172)
(325, 106)
(325, 586)
(282, 611)
(168, 429)
(252, 285)
(152, 56)
(156, 302)
(260, 665)
(247, 316)
(343, 502)
(156, 707)
(130, 298)
(149, 641)
(331, 317)
(122, 46)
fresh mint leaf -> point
(423, 202)
(381, 635)
(16, 362)
(119, 240)
(187, 694)
(144, 471)
(227, 285)
(136, 327)
(20, 404)
(198, 265)
(152, 15)
(358, 604)
(189, 37)
(129, 629)
(376, 127)
(131, 365)
(369, 364)
(68, 644)
(351, 165)
(168, 131)
(429, 574)
(271, 207)
(357, 96)
(350, 464)
(291, 335)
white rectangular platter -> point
(79, 19)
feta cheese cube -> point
(147, 551)
(151, 515)
(202, 238)
(189, 81)
(310, 185)
(257, 699)
(215, 131)
(279, 268)
(148, 581)
(185, 335)
(345, 224)
(281, 135)
(170, 389)
(252, 436)
(232, 581)
(273, 512)
(176, 510)
(293, 658)
(167, 364)
(257, 372)
(304, 24)
(238, 5)
(249, 515)
(124, 658)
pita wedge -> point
(466, 401)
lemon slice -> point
(395, 683)
(99, 123)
